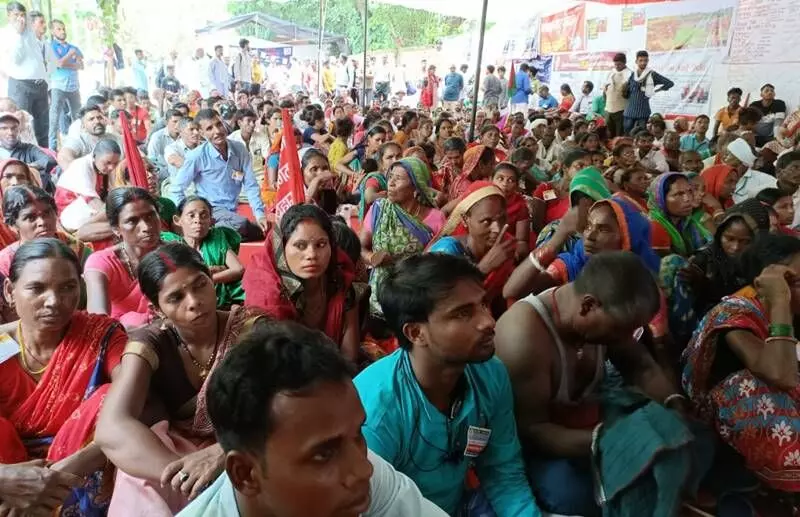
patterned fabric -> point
(760, 422)
(461, 183)
(362, 188)
(689, 234)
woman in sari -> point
(741, 367)
(506, 177)
(160, 467)
(714, 271)
(444, 130)
(110, 274)
(351, 165)
(31, 212)
(477, 230)
(14, 172)
(633, 183)
(676, 227)
(401, 224)
(611, 225)
(478, 166)
(56, 363)
(302, 275)
(374, 184)
(551, 200)
(586, 188)
(451, 165)
(217, 245)
(720, 182)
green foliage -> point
(108, 16)
(390, 26)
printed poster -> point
(595, 27)
(689, 31)
(564, 31)
(632, 18)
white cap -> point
(741, 149)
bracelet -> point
(674, 396)
(545, 255)
(536, 263)
(781, 338)
(781, 330)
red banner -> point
(564, 31)
(291, 190)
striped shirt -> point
(638, 103)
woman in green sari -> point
(217, 245)
(374, 184)
(401, 224)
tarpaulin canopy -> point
(280, 31)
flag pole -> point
(478, 73)
(364, 67)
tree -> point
(390, 26)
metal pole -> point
(364, 67)
(319, 46)
(478, 73)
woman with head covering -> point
(611, 226)
(402, 223)
(633, 184)
(551, 200)
(720, 182)
(14, 172)
(477, 230)
(587, 187)
(676, 227)
(478, 164)
(694, 286)
(507, 176)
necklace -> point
(22, 352)
(126, 259)
(204, 369)
(557, 318)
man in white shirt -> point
(616, 95)
(243, 66)
(288, 420)
(199, 78)
(649, 157)
(94, 130)
(740, 156)
(583, 104)
(27, 58)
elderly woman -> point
(54, 365)
(676, 227)
(160, 467)
(401, 224)
(302, 275)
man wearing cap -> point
(64, 87)
(740, 156)
(12, 147)
(26, 65)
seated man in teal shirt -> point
(443, 403)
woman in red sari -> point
(720, 182)
(506, 177)
(477, 230)
(478, 165)
(302, 275)
(54, 366)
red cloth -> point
(264, 288)
(714, 178)
(555, 208)
(291, 190)
(138, 117)
(54, 407)
(136, 169)
(516, 211)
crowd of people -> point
(580, 309)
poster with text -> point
(575, 68)
(692, 73)
(564, 31)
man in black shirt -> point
(169, 82)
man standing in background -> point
(616, 90)
(26, 66)
(453, 86)
(218, 73)
(243, 67)
(139, 67)
(64, 86)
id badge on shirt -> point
(549, 195)
(8, 348)
(477, 440)
(238, 176)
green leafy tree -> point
(390, 26)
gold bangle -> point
(781, 338)
(144, 351)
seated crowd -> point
(539, 319)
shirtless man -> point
(555, 374)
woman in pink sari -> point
(55, 363)
(160, 468)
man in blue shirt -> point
(139, 67)
(218, 73)
(546, 101)
(643, 83)
(219, 169)
(64, 87)
(522, 83)
(697, 140)
(442, 403)
(453, 84)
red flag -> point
(291, 190)
(512, 82)
(136, 169)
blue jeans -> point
(631, 125)
(59, 120)
(563, 486)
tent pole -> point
(478, 73)
(319, 46)
(364, 67)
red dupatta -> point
(53, 408)
(516, 210)
(269, 284)
(478, 191)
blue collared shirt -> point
(691, 143)
(140, 75)
(548, 102)
(406, 430)
(219, 76)
(65, 79)
(218, 179)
